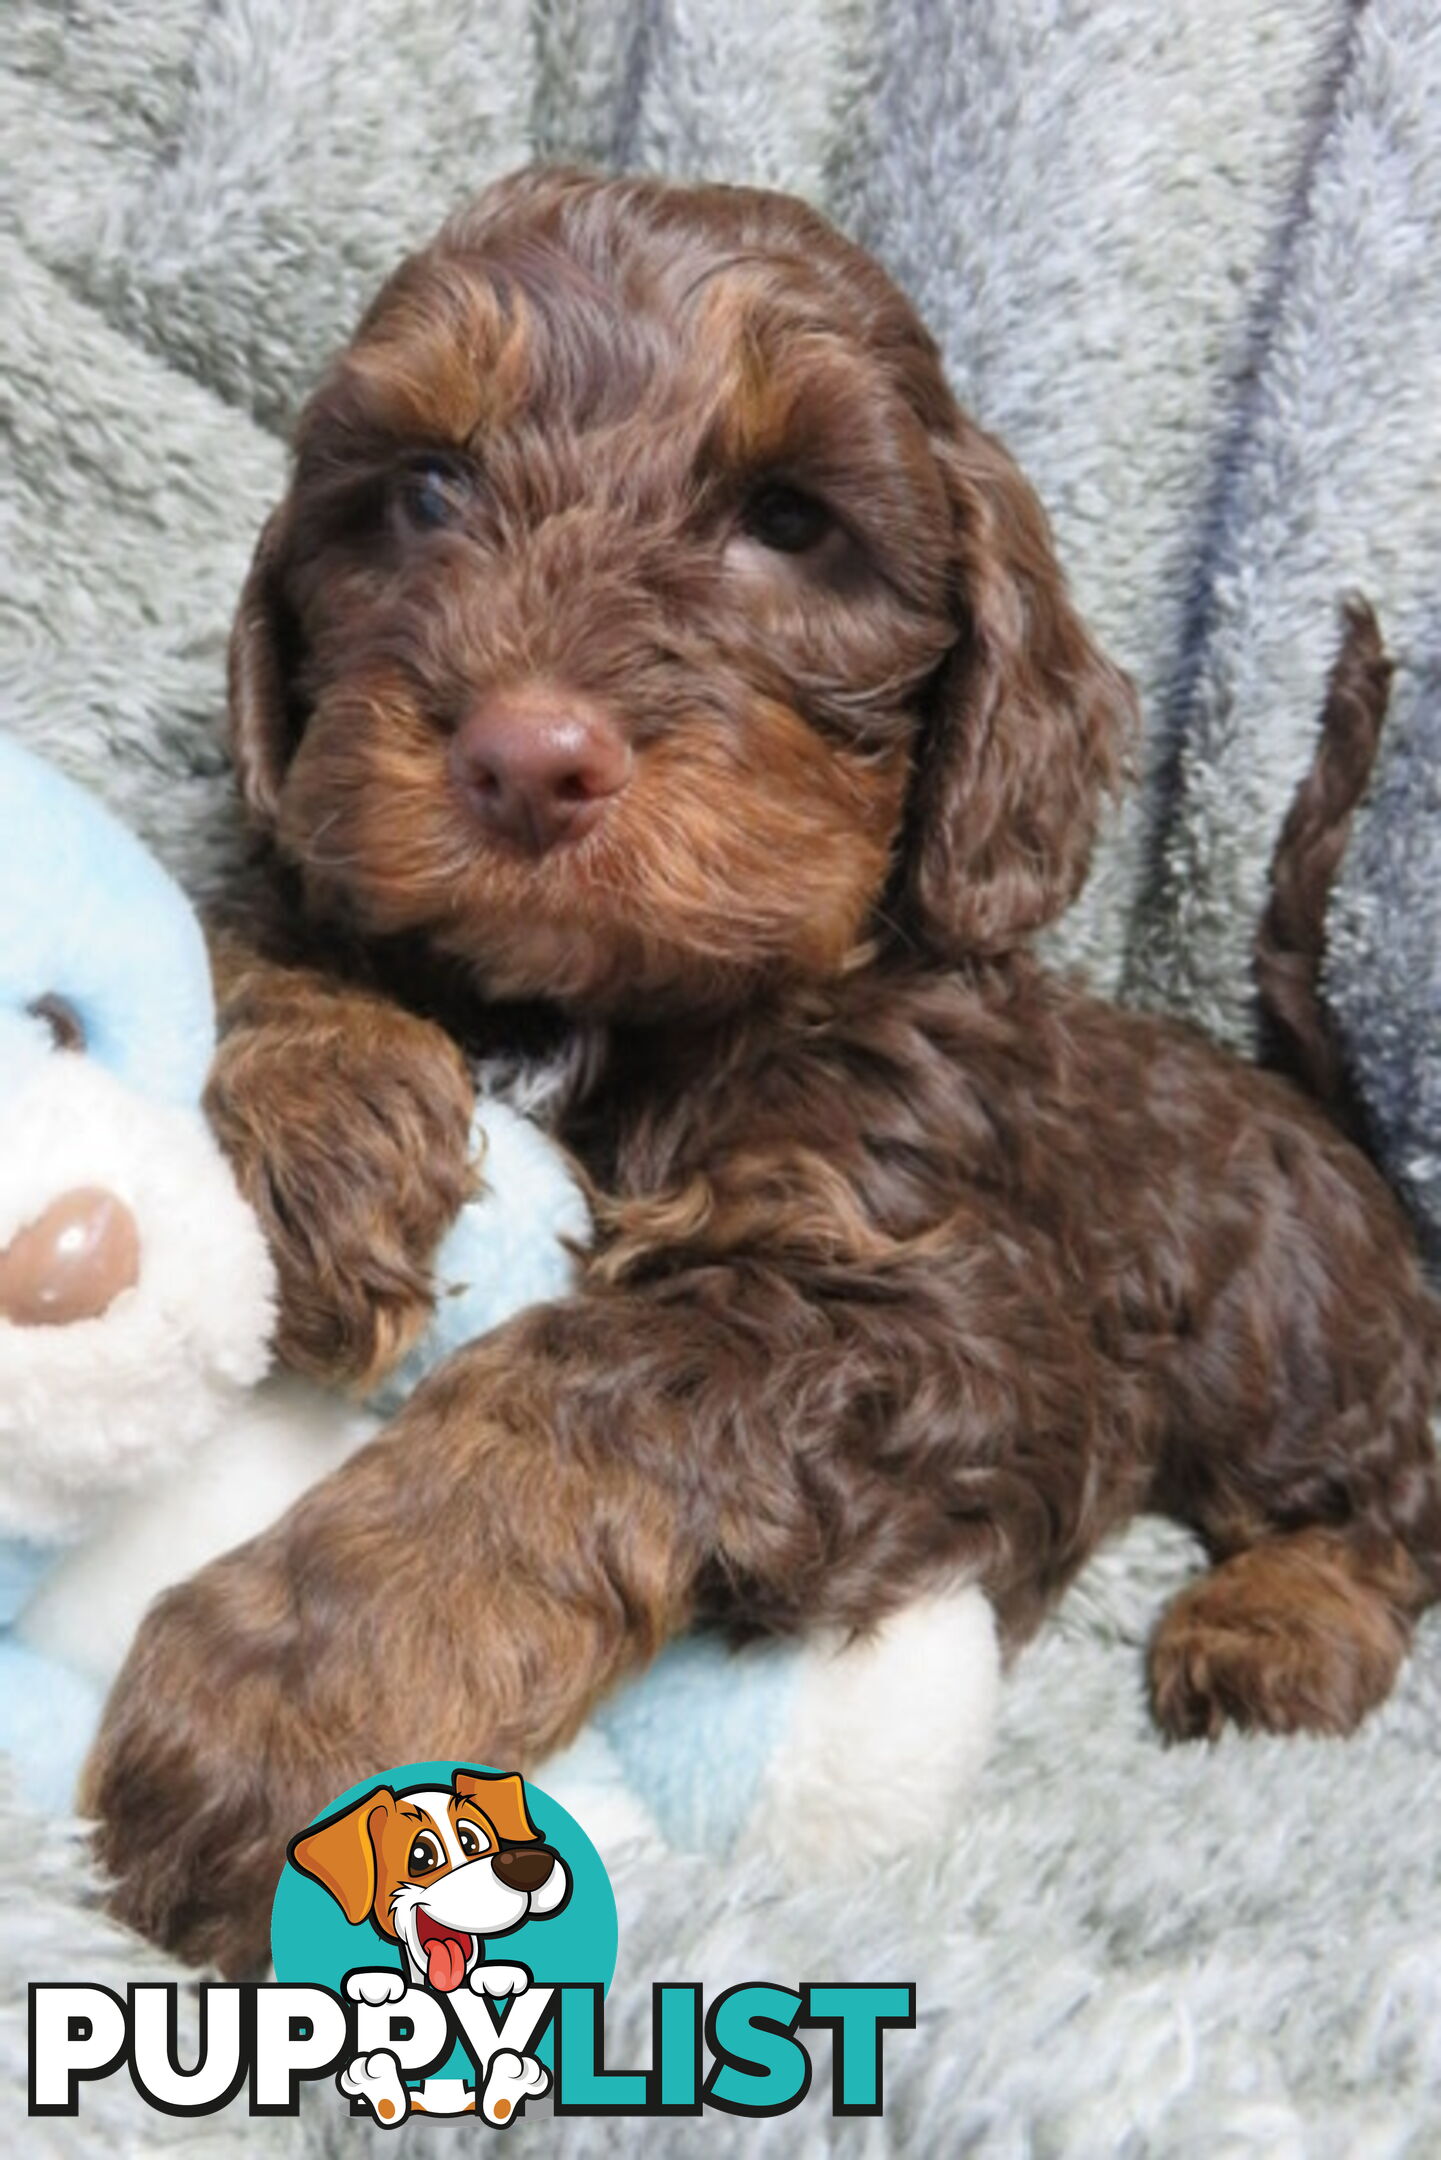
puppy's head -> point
(438, 1871)
(645, 621)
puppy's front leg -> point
(465, 1586)
(347, 1122)
(554, 1502)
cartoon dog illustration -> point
(438, 1872)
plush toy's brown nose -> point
(72, 1262)
(538, 767)
(523, 1867)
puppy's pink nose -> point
(538, 767)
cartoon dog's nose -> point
(523, 1867)
(538, 766)
(72, 1262)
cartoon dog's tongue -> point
(446, 1951)
(445, 1962)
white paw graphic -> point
(375, 1988)
(375, 2079)
(513, 2080)
(500, 1980)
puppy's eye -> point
(786, 519)
(469, 1839)
(425, 1855)
(434, 492)
(67, 1029)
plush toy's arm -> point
(348, 1123)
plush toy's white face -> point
(135, 1288)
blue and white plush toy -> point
(135, 1288)
(135, 1306)
(817, 1755)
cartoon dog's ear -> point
(1028, 727)
(340, 1853)
(501, 1798)
(265, 649)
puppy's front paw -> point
(375, 1988)
(204, 1767)
(347, 1122)
(499, 1980)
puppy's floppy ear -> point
(265, 649)
(1029, 725)
(501, 1798)
(340, 1853)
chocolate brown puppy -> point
(650, 659)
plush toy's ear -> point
(265, 649)
(501, 1799)
(1029, 725)
(340, 1853)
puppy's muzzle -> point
(523, 1867)
(538, 768)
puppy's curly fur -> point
(914, 1260)
(352, 1216)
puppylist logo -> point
(443, 1939)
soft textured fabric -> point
(1228, 1954)
(1185, 259)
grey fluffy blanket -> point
(1186, 260)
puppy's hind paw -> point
(1290, 1636)
(376, 2079)
(513, 2080)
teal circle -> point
(312, 1942)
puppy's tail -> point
(1297, 1034)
